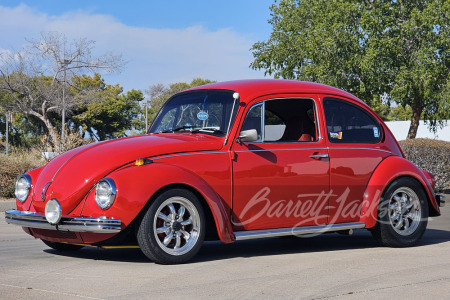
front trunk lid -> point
(70, 176)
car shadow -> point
(361, 239)
(214, 251)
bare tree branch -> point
(36, 75)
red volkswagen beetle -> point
(232, 161)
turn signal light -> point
(142, 161)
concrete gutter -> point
(5, 205)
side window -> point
(347, 123)
(253, 120)
(283, 120)
(274, 126)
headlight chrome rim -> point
(105, 193)
(53, 211)
(22, 187)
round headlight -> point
(53, 211)
(23, 185)
(105, 193)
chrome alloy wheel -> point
(176, 225)
(405, 211)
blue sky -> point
(162, 41)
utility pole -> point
(7, 133)
(64, 63)
(146, 115)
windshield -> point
(203, 111)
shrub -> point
(72, 140)
(430, 155)
(14, 164)
(21, 161)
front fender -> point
(137, 184)
(34, 194)
(389, 169)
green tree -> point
(382, 109)
(109, 113)
(373, 49)
(400, 113)
(159, 93)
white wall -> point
(400, 130)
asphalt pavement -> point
(7, 204)
(330, 266)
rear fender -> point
(389, 169)
(136, 185)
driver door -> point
(281, 177)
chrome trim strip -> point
(301, 149)
(63, 164)
(319, 136)
(263, 121)
(281, 149)
(271, 150)
(189, 153)
(29, 186)
(35, 220)
(44, 190)
(265, 233)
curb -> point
(5, 205)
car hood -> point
(74, 173)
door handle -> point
(319, 156)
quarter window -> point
(347, 123)
(254, 120)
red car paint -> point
(228, 174)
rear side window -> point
(348, 123)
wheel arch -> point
(212, 231)
(159, 177)
(390, 169)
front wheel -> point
(402, 214)
(173, 228)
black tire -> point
(402, 214)
(62, 246)
(178, 215)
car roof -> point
(249, 89)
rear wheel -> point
(402, 214)
(62, 246)
(173, 228)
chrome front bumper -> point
(35, 220)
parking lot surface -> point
(330, 266)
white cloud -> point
(153, 55)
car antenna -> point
(235, 97)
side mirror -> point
(250, 135)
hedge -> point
(432, 156)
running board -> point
(265, 233)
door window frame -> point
(263, 103)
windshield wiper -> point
(178, 129)
(209, 129)
(204, 129)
